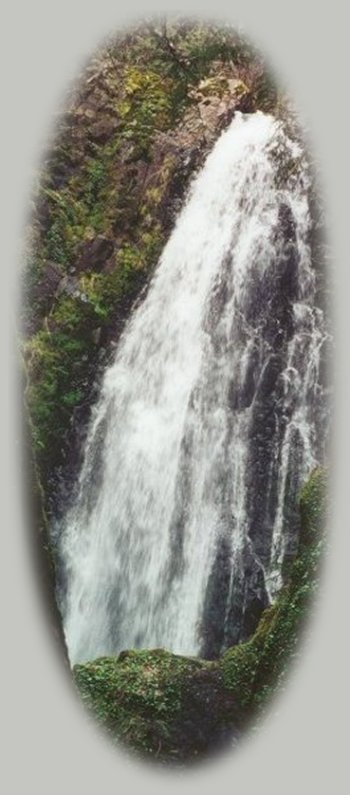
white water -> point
(169, 459)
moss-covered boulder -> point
(161, 704)
(178, 709)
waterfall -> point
(208, 420)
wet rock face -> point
(213, 629)
(269, 305)
(248, 601)
(267, 394)
(271, 310)
(232, 612)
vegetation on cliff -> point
(178, 709)
(140, 120)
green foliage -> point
(148, 106)
(96, 173)
(59, 356)
(202, 45)
(55, 364)
(68, 225)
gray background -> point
(48, 744)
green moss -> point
(138, 697)
(312, 506)
(54, 385)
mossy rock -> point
(159, 703)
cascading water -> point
(208, 420)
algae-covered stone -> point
(159, 703)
